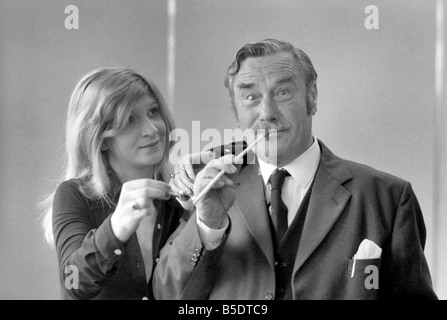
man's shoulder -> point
(368, 174)
(361, 172)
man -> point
(311, 225)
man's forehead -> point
(278, 66)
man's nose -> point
(268, 109)
(149, 129)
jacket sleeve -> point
(87, 256)
(186, 269)
(406, 274)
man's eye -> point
(283, 92)
(250, 97)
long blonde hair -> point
(99, 108)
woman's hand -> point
(182, 180)
(136, 202)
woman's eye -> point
(250, 97)
(131, 119)
(153, 112)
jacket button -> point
(117, 252)
(156, 260)
(269, 296)
(145, 298)
(158, 226)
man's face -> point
(270, 92)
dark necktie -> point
(278, 209)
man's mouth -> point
(270, 132)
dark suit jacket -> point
(106, 267)
(350, 202)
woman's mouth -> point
(151, 145)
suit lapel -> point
(251, 205)
(328, 199)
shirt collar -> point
(302, 168)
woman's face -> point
(134, 152)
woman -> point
(113, 213)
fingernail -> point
(233, 169)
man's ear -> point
(312, 95)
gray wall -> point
(376, 93)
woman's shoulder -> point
(70, 190)
(70, 185)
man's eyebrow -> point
(245, 85)
(286, 80)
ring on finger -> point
(135, 205)
(182, 169)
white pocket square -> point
(367, 250)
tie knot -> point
(277, 178)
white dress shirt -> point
(302, 171)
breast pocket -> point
(363, 282)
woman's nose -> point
(149, 129)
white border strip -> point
(172, 13)
(438, 139)
(440, 48)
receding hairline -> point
(281, 80)
(295, 70)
